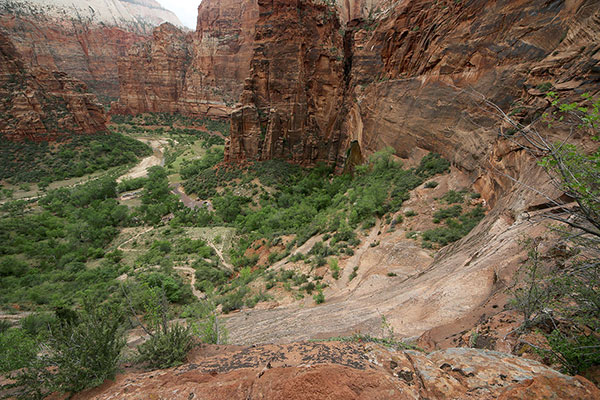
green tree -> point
(571, 286)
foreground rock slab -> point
(340, 370)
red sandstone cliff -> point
(291, 104)
(39, 104)
(83, 39)
(407, 77)
(199, 73)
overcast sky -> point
(186, 10)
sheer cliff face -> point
(153, 73)
(292, 100)
(419, 78)
(414, 78)
(83, 39)
(39, 104)
(204, 76)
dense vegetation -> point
(85, 242)
(74, 156)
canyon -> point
(424, 77)
(333, 82)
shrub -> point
(432, 164)
(319, 297)
(334, 267)
(17, 349)
(83, 351)
(452, 197)
(353, 274)
(38, 323)
(431, 185)
(444, 213)
(169, 343)
(167, 347)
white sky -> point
(186, 10)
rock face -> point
(199, 73)
(152, 76)
(134, 15)
(39, 104)
(292, 100)
(408, 73)
(350, 10)
(83, 39)
(347, 371)
(415, 80)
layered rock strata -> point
(199, 73)
(83, 39)
(39, 104)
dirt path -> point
(191, 273)
(220, 254)
(120, 247)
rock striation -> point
(83, 39)
(292, 101)
(415, 77)
(201, 73)
(347, 371)
(39, 104)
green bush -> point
(83, 352)
(167, 347)
(456, 228)
(17, 349)
(334, 267)
(432, 164)
(452, 197)
(319, 297)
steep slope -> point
(39, 104)
(416, 80)
(199, 73)
(83, 39)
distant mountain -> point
(135, 15)
(83, 38)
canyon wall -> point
(83, 39)
(40, 104)
(415, 79)
(427, 76)
(292, 100)
(201, 73)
